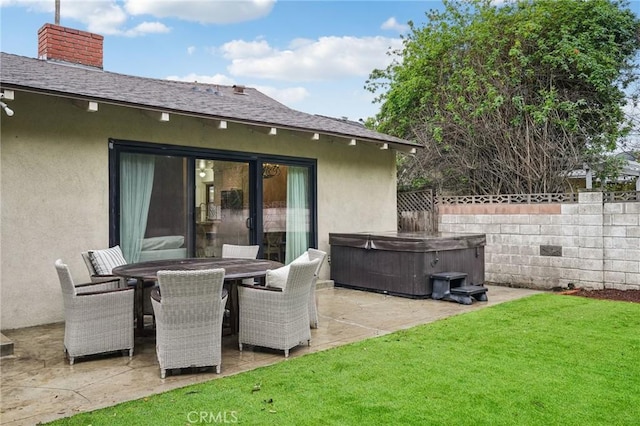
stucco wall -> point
(590, 244)
(54, 188)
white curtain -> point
(297, 212)
(136, 183)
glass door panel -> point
(222, 207)
(153, 207)
(274, 208)
(285, 211)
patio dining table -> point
(235, 270)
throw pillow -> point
(277, 277)
(104, 261)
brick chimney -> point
(63, 44)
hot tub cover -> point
(407, 241)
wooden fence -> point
(417, 212)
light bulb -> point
(6, 109)
(202, 173)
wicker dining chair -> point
(273, 244)
(277, 318)
(98, 316)
(189, 319)
(241, 252)
(147, 309)
(313, 304)
(312, 254)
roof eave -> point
(382, 143)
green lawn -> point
(543, 360)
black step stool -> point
(452, 286)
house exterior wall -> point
(54, 188)
(591, 244)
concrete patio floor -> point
(39, 385)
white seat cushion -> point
(277, 277)
(162, 243)
(104, 261)
(304, 257)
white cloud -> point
(105, 17)
(287, 96)
(239, 49)
(206, 12)
(393, 24)
(206, 79)
(32, 5)
(299, 43)
(109, 17)
(191, 50)
(327, 58)
(147, 28)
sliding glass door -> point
(177, 202)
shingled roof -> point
(196, 99)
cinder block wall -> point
(621, 240)
(590, 244)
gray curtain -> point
(297, 212)
(136, 183)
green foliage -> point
(543, 360)
(509, 98)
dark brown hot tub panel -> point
(402, 264)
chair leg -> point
(131, 353)
(240, 345)
(163, 373)
(217, 369)
(286, 353)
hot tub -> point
(401, 263)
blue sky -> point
(313, 56)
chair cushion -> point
(104, 261)
(304, 257)
(162, 243)
(277, 277)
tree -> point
(509, 98)
(631, 143)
